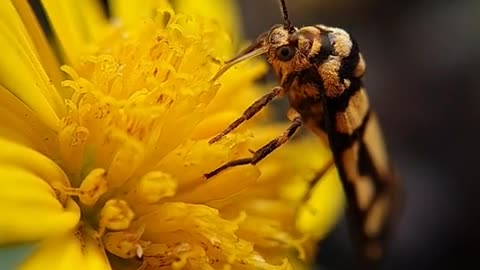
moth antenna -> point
(288, 24)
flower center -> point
(133, 101)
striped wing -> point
(357, 143)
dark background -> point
(423, 61)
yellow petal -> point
(214, 124)
(21, 71)
(132, 12)
(29, 208)
(25, 196)
(77, 24)
(92, 17)
(20, 156)
(43, 48)
(67, 252)
(268, 233)
(229, 97)
(20, 124)
(223, 11)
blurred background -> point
(423, 60)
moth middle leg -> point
(263, 151)
(250, 112)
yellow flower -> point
(102, 164)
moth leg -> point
(320, 173)
(263, 151)
(318, 176)
(250, 112)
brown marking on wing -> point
(349, 159)
(351, 119)
(365, 190)
(377, 216)
(376, 147)
(362, 184)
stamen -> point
(155, 186)
(126, 244)
(92, 187)
(127, 159)
(115, 215)
(72, 139)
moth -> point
(320, 70)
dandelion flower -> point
(104, 139)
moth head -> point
(288, 49)
(284, 50)
(281, 44)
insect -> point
(320, 70)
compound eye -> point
(285, 53)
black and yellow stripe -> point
(330, 97)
